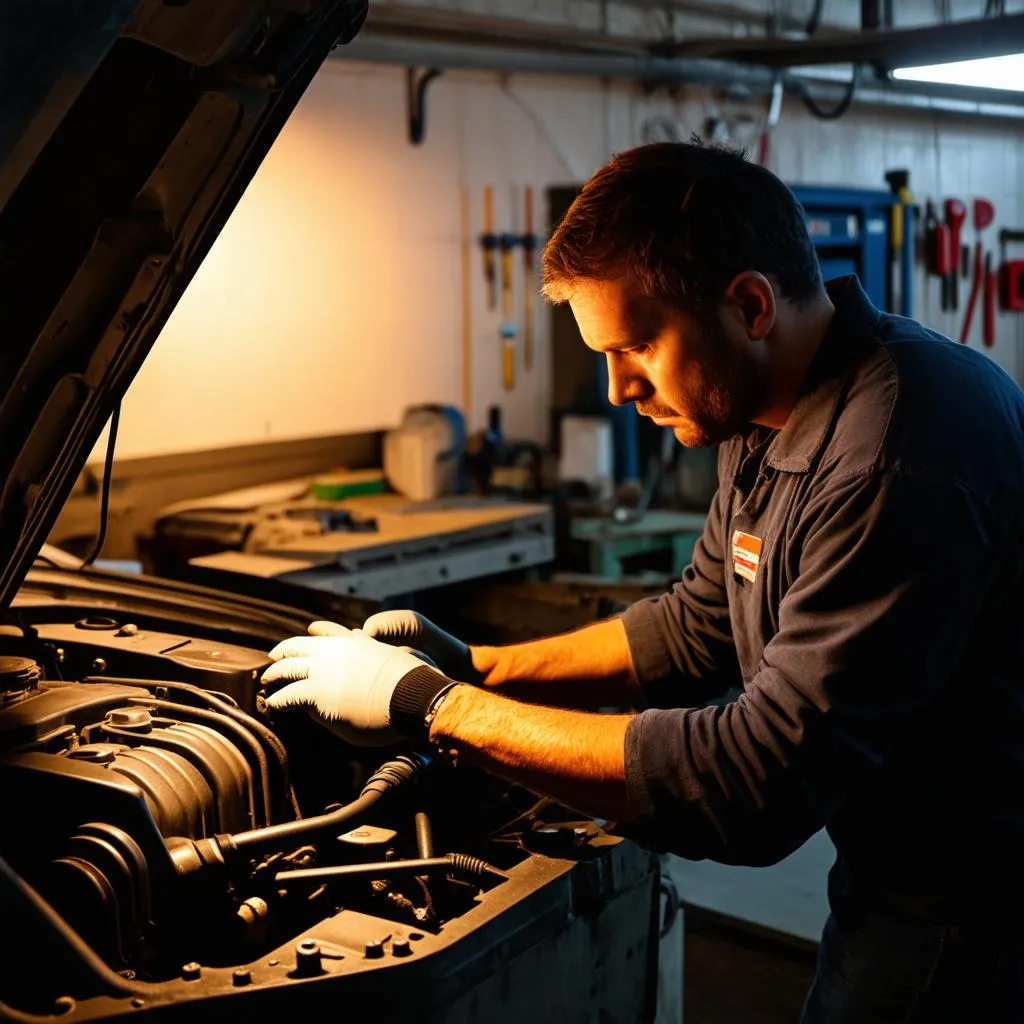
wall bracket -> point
(416, 82)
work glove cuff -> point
(412, 698)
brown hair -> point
(682, 220)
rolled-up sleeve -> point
(681, 642)
(893, 570)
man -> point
(860, 576)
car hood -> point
(129, 129)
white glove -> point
(346, 682)
(410, 629)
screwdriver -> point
(956, 213)
(529, 247)
(507, 243)
(489, 241)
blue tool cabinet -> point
(851, 229)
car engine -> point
(166, 839)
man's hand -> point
(410, 629)
(346, 681)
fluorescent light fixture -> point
(985, 73)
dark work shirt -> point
(861, 578)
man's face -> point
(699, 379)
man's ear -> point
(750, 297)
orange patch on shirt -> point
(746, 554)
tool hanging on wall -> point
(901, 260)
(529, 285)
(1011, 272)
(489, 242)
(939, 253)
(989, 334)
(982, 214)
(929, 243)
(956, 213)
(507, 243)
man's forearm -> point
(574, 757)
(589, 668)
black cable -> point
(815, 18)
(108, 466)
(841, 107)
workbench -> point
(412, 546)
(609, 542)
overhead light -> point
(985, 73)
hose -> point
(459, 863)
(387, 777)
(841, 107)
(815, 18)
(31, 905)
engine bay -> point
(183, 837)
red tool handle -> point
(990, 303)
(956, 213)
(979, 275)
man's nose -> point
(623, 386)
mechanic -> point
(860, 579)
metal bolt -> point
(374, 950)
(128, 629)
(60, 655)
(241, 977)
(273, 963)
(307, 957)
(191, 971)
(400, 946)
(99, 665)
(137, 1003)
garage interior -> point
(362, 402)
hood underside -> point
(129, 129)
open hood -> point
(129, 129)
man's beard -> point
(732, 391)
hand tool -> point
(529, 247)
(930, 224)
(508, 356)
(507, 243)
(1011, 272)
(466, 266)
(983, 212)
(990, 303)
(956, 212)
(489, 241)
(941, 256)
(899, 185)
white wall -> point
(333, 298)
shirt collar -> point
(845, 343)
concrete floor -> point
(735, 977)
(751, 935)
(788, 897)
